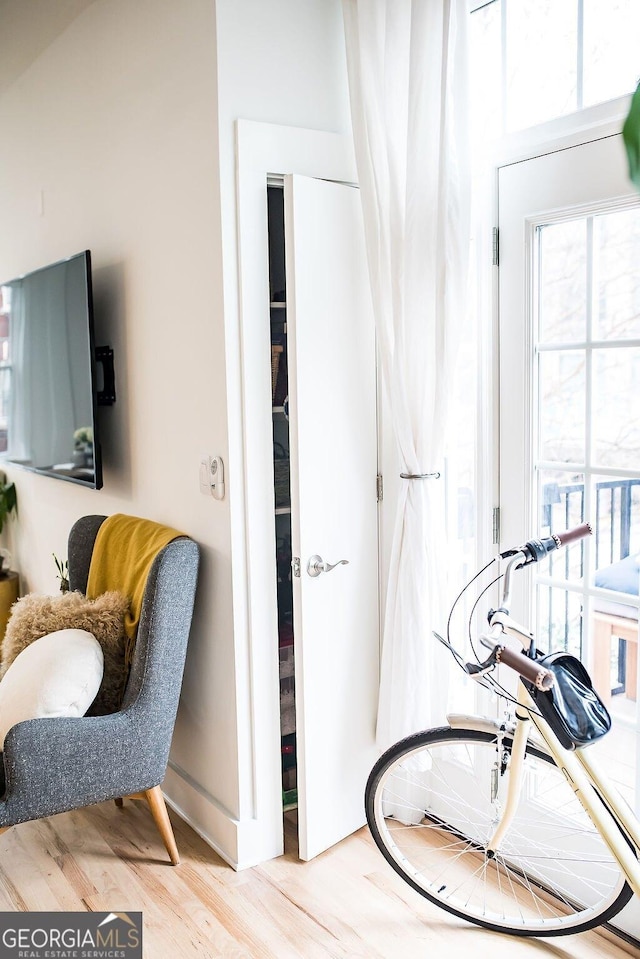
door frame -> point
(262, 151)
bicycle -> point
(498, 822)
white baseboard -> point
(241, 844)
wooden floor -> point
(346, 904)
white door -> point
(333, 446)
(569, 227)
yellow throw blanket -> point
(123, 553)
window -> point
(535, 60)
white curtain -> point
(407, 63)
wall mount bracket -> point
(107, 395)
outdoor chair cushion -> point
(623, 577)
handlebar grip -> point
(536, 550)
(528, 668)
(572, 535)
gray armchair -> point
(54, 765)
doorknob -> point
(317, 565)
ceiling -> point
(27, 27)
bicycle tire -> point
(532, 887)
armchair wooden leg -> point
(156, 802)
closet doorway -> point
(322, 509)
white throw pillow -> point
(57, 675)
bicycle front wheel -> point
(433, 801)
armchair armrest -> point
(56, 764)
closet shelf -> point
(282, 510)
(277, 306)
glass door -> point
(587, 441)
(570, 416)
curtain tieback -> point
(420, 476)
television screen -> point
(48, 392)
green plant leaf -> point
(631, 137)
(8, 502)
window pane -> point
(615, 518)
(616, 414)
(611, 64)
(563, 259)
(562, 406)
(559, 620)
(561, 498)
(616, 241)
(541, 60)
(542, 51)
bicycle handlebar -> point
(528, 668)
(532, 551)
(536, 549)
(572, 535)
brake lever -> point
(490, 663)
(472, 669)
(454, 652)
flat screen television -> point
(48, 386)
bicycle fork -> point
(516, 769)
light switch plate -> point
(216, 476)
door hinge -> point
(495, 246)
(496, 525)
(379, 490)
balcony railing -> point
(617, 515)
(616, 527)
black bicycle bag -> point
(571, 707)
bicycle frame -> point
(614, 819)
(603, 803)
(605, 807)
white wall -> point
(115, 125)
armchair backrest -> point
(153, 688)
